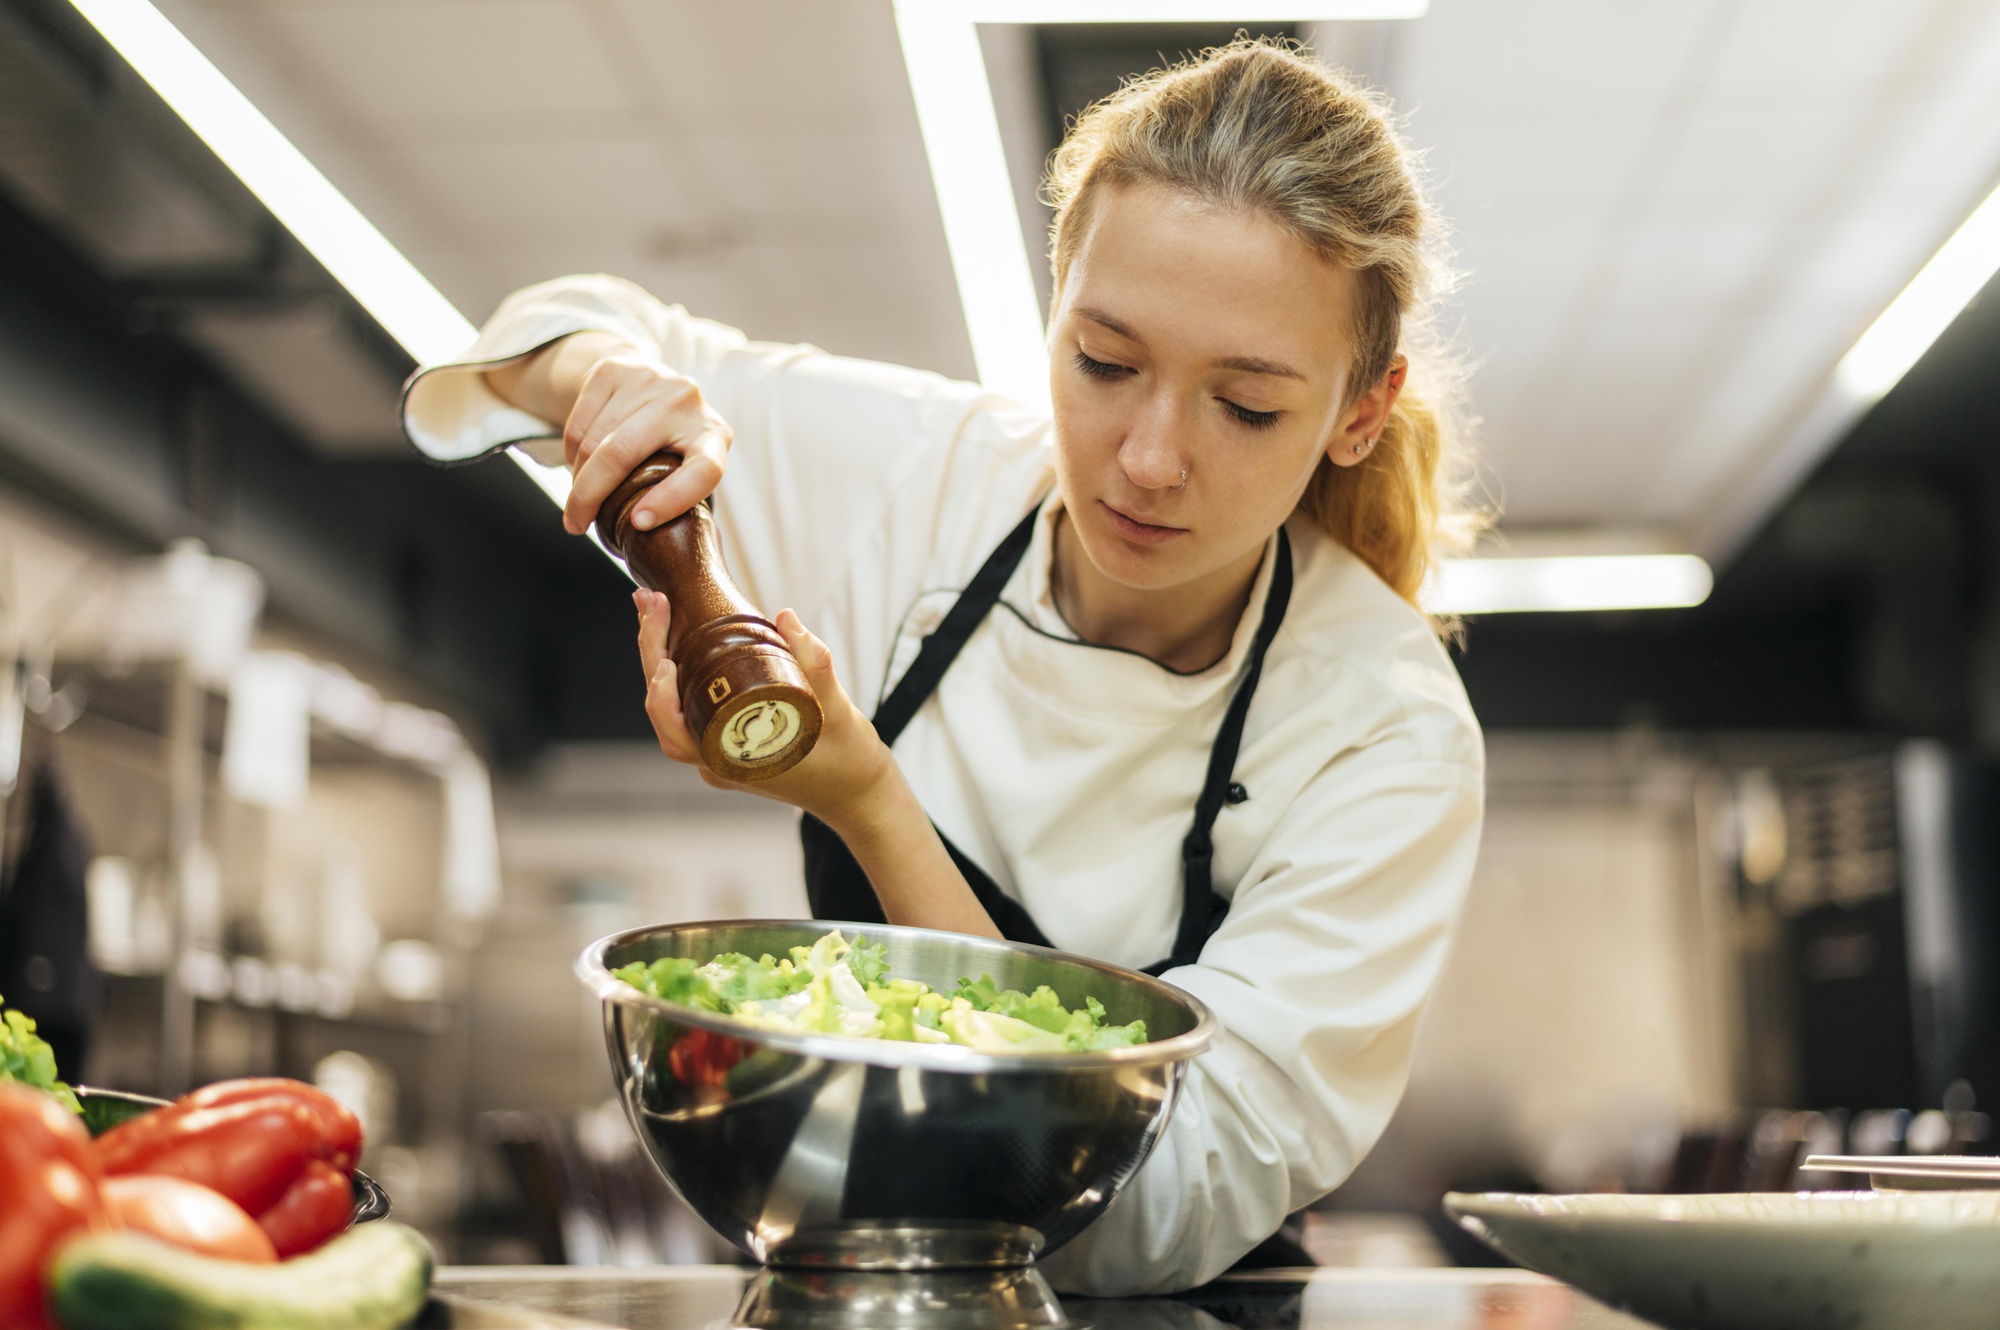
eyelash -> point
(1102, 369)
(1254, 419)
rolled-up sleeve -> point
(1318, 976)
(451, 414)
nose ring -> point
(1183, 484)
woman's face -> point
(1203, 343)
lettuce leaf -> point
(26, 1057)
(677, 979)
(869, 961)
(979, 993)
(991, 1032)
(834, 987)
(898, 1001)
(738, 979)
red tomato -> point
(249, 1151)
(48, 1190)
(340, 1130)
(186, 1214)
(35, 1126)
(313, 1209)
(699, 1058)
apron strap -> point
(835, 885)
(1202, 910)
(945, 641)
(839, 889)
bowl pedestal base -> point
(909, 1276)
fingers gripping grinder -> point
(744, 696)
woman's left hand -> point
(838, 782)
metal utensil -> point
(826, 1152)
(1915, 1172)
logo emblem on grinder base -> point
(760, 731)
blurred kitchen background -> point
(323, 762)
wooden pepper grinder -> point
(745, 698)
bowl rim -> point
(597, 977)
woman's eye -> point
(1254, 419)
(1100, 369)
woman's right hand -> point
(619, 406)
(629, 407)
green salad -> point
(26, 1057)
(833, 987)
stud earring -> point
(1361, 448)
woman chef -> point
(1147, 679)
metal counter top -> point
(703, 1297)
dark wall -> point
(1675, 669)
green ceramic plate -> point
(1762, 1261)
(105, 1109)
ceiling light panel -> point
(1918, 317)
(975, 196)
(1568, 584)
(1175, 11)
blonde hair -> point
(1256, 125)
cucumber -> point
(374, 1277)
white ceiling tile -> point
(1691, 263)
(821, 170)
(1470, 58)
(773, 64)
(1520, 169)
(398, 64)
(1754, 162)
(621, 183)
(1819, 47)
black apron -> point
(838, 889)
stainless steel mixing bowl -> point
(818, 1150)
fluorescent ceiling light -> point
(1934, 297)
(1178, 11)
(332, 229)
(1591, 582)
(1896, 340)
(996, 287)
(551, 480)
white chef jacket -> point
(865, 496)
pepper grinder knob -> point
(743, 693)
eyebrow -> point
(1247, 364)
